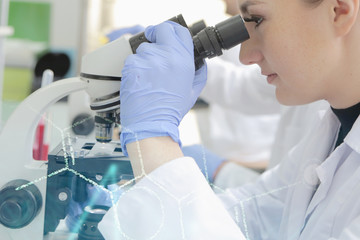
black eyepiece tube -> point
(208, 41)
(232, 32)
(196, 27)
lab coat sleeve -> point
(173, 202)
(258, 207)
(239, 87)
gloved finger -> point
(129, 72)
(131, 81)
(135, 61)
(185, 37)
(169, 33)
(149, 50)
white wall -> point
(106, 15)
(149, 12)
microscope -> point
(36, 195)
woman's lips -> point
(271, 77)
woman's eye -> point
(256, 19)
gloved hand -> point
(207, 161)
(128, 30)
(159, 84)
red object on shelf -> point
(40, 149)
(44, 152)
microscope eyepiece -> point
(231, 32)
(196, 27)
(208, 41)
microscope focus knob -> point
(19, 207)
(83, 124)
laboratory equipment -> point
(80, 115)
(35, 195)
(41, 142)
(208, 43)
(96, 163)
(89, 229)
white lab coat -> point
(295, 122)
(313, 194)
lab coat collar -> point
(321, 142)
(326, 164)
(314, 150)
(327, 170)
(353, 139)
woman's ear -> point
(345, 14)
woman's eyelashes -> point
(257, 19)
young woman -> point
(309, 50)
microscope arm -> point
(17, 136)
(16, 141)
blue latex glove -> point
(159, 84)
(128, 30)
(207, 161)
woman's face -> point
(292, 41)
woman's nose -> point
(249, 53)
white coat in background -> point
(175, 201)
(295, 122)
(245, 134)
